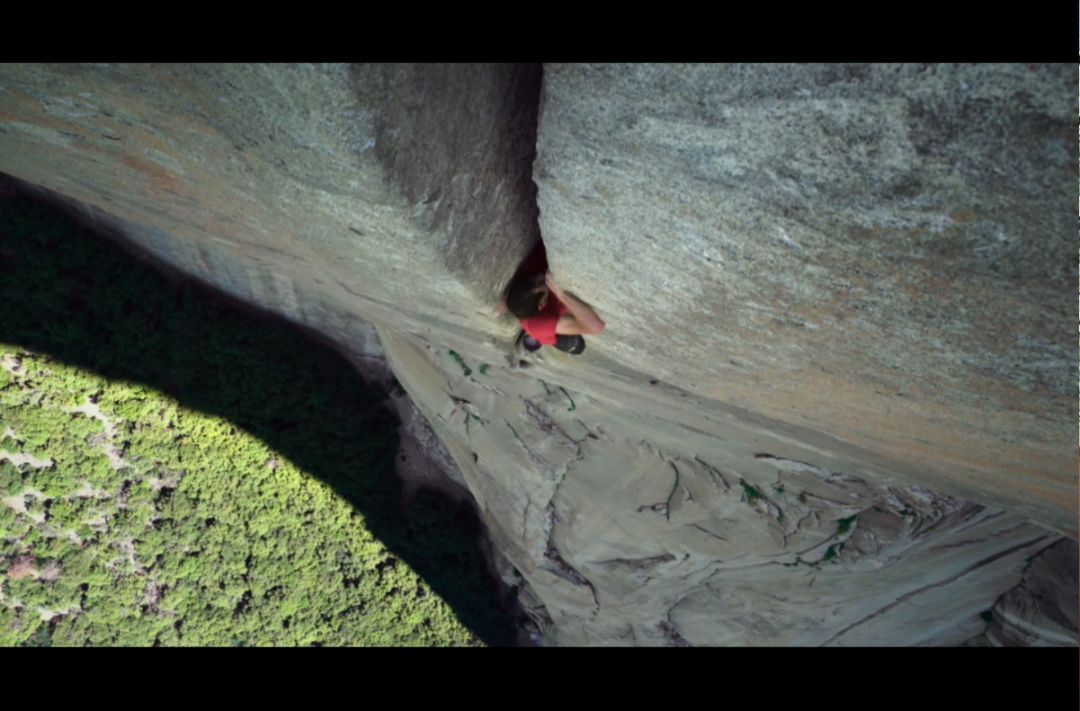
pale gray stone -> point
(834, 401)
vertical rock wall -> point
(884, 254)
(834, 401)
(272, 180)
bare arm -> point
(585, 320)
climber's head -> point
(527, 296)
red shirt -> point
(542, 325)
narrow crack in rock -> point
(671, 631)
(715, 472)
(559, 566)
(638, 563)
(533, 455)
(674, 488)
(941, 583)
(707, 531)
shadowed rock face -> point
(329, 176)
(834, 401)
(1035, 613)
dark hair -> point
(521, 300)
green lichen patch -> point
(749, 492)
(465, 370)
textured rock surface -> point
(834, 402)
(1041, 610)
(632, 518)
(884, 254)
(351, 181)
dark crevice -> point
(447, 163)
(675, 639)
(639, 563)
(557, 565)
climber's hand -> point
(550, 282)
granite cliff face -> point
(834, 403)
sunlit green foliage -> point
(205, 536)
(244, 495)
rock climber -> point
(547, 314)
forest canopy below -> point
(176, 472)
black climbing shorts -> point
(573, 345)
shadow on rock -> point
(81, 299)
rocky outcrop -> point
(634, 519)
(834, 401)
(1041, 611)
